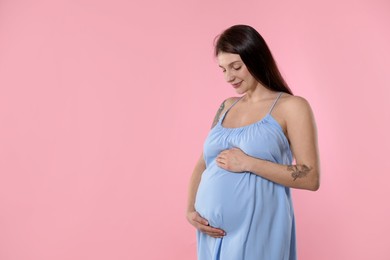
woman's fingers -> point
(221, 161)
(211, 231)
(203, 225)
(200, 220)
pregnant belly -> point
(226, 199)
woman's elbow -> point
(314, 183)
(314, 187)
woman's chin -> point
(240, 91)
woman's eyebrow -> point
(230, 64)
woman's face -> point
(236, 73)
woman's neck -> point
(258, 93)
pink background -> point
(104, 107)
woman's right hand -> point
(203, 225)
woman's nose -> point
(229, 77)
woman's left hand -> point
(233, 160)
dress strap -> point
(276, 100)
(227, 110)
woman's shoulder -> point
(225, 105)
(229, 101)
(291, 102)
(293, 106)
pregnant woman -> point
(239, 194)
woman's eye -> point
(237, 68)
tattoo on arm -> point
(216, 118)
(298, 171)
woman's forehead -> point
(225, 59)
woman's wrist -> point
(248, 165)
(252, 164)
(190, 209)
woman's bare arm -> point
(301, 131)
(192, 216)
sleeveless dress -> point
(256, 214)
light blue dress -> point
(256, 214)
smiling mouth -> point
(236, 85)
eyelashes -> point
(236, 69)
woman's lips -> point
(236, 85)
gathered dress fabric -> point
(256, 214)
